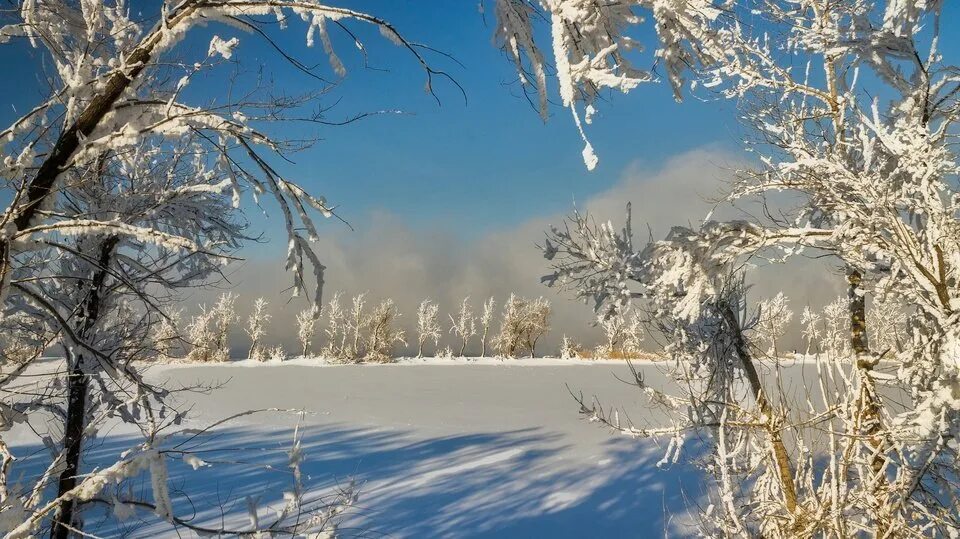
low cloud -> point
(387, 257)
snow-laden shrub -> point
(522, 324)
(256, 329)
(624, 335)
(276, 353)
(463, 325)
(569, 349)
(428, 325)
(382, 334)
(209, 330)
(306, 329)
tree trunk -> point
(420, 350)
(858, 313)
(868, 420)
(483, 343)
(781, 459)
(72, 441)
(77, 384)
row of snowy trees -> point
(352, 331)
(361, 334)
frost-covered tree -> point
(169, 337)
(699, 310)
(306, 329)
(383, 333)
(101, 225)
(624, 334)
(614, 327)
(428, 325)
(537, 323)
(113, 85)
(464, 325)
(256, 329)
(888, 325)
(486, 318)
(357, 325)
(103, 296)
(522, 324)
(593, 47)
(336, 331)
(103, 302)
(836, 327)
(853, 109)
(209, 330)
(509, 340)
(773, 319)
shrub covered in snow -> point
(428, 325)
(306, 329)
(522, 324)
(463, 325)
(382, 332)
(208, 331)
(256, 329)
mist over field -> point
(387, 257)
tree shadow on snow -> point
(521, 483)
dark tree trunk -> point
(77, 384)
(781, 459)
(72, 440)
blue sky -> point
(473, 166)
(470, 167)
(476, 165)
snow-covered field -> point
(486, 449)
(443, 449)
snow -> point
(441, 448)
(461, 448)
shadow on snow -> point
(517, 483)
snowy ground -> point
(479, 449)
